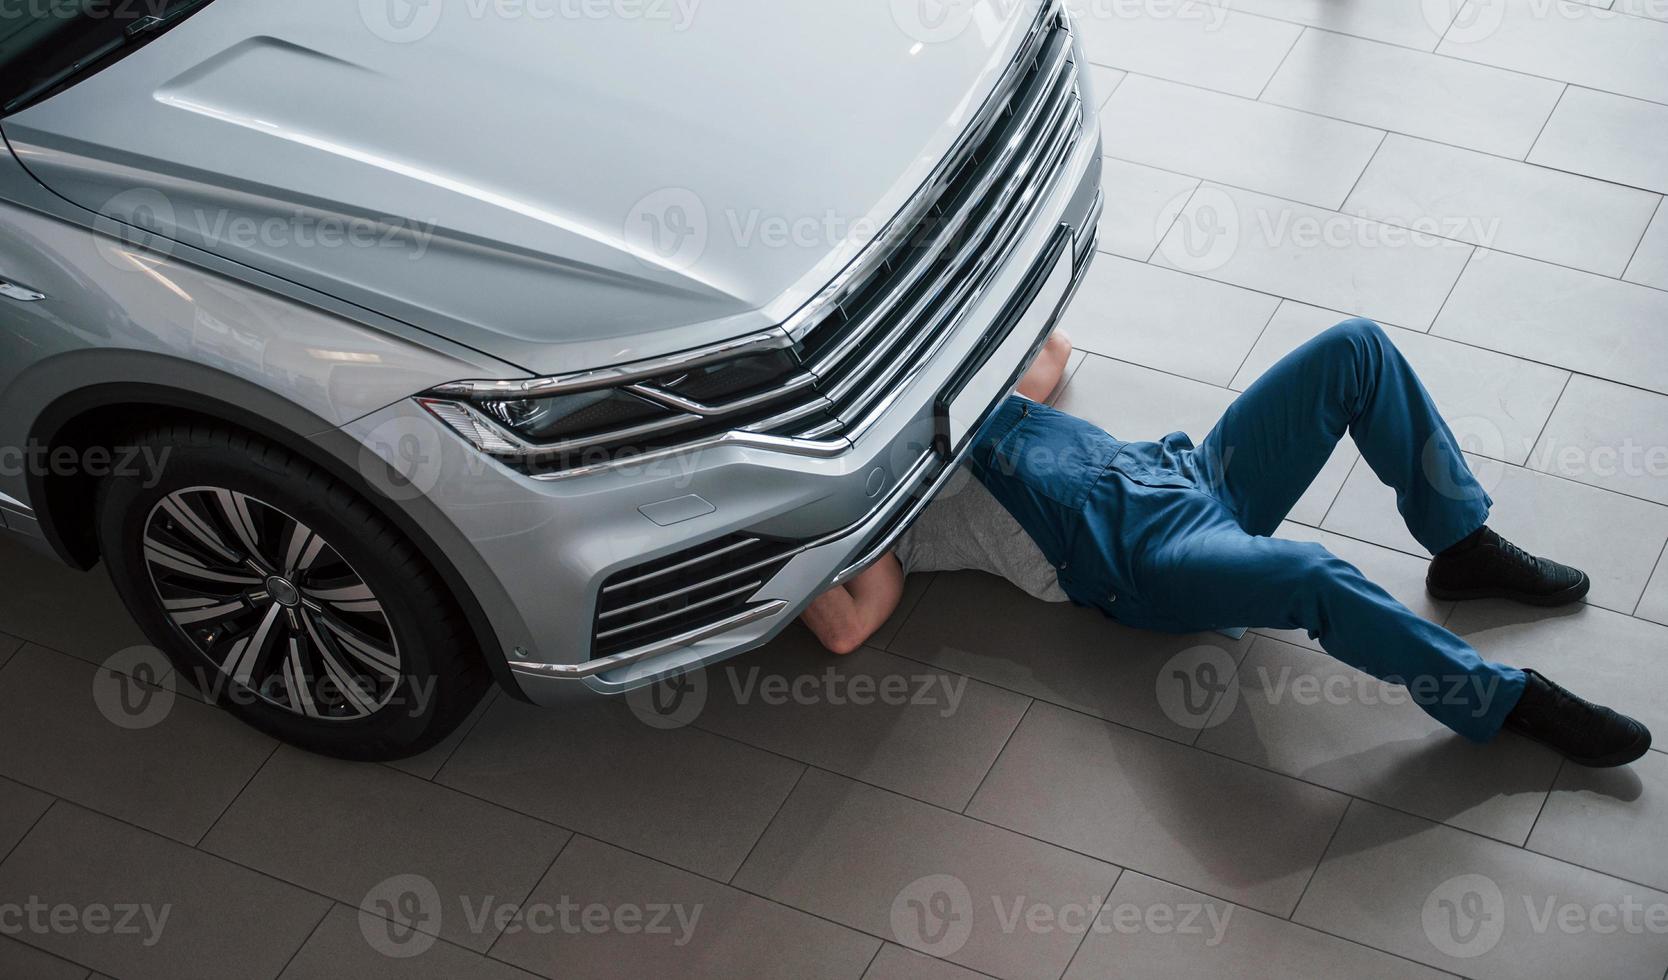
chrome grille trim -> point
(829, 360)
(906, 292)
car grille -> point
(884, 319)
(876, 326)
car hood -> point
(556, 183)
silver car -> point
(385, 350)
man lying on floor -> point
(1165, 536)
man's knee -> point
(1355, 336)
(1313, 571)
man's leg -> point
(1226, 576)
(1276, 436)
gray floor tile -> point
(978, 625)
(689, 926)
(873, 716)
(1102, 82)
(187, 914)
(1650, 263)
(684, 796)
(925, 878)
(1610, 820)
(1654, 604)
(1573, 42)
(1304, 714)
(1575, 320)
(1398, 573)
(8, 646)
(20, 807)
(1609, 137)
(1411, 92)
(344, 829)
(1171, 321)
(73, 612)
(1134, 402)
(1503, 204)
(1141, 203)
(1601, 655)
(1236, 141)
(915, 586)
(1198, 43)
(1164, 809)
(174, 777)
(1477, 907)
(899, 963)
(1610, 436)
(28, 963)
(1613, 538)
(1315, 256)
(1654, 9)
(340, 948)
(1409, 25)
(427, 764)
(1495, 404)
(1151, 928)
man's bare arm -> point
(844, 617)
(1040, 380)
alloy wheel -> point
(270, 604)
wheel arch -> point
(97, 412)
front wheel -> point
(286, 598)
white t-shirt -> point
(965, 528)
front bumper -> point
(542, 548)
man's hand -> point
(844, 617)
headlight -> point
(580, 420)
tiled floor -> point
(998, 787)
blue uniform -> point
(1166, 536)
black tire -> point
(430, 675)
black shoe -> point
(1587, 734)
(1487, 566)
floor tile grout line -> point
(165, 839)
(1330, 840)
(1382, 129)
(1657, 213)
(1433, 52)
(891, 792)
(1105, 903)
(776, 814)
(1383, 139)
(1659, 566)
(881, 948)
(236, 796)
(1159, 243)
(522, 902)
(1125, 727)
(1549, 78)
(1336, 496)
(1430, 331)
(908, 617)
(1252, 349)
(1362, 218)
(494, 694)
(1542, 131)
(1556, 774)
(323, 918)
(1547, 424)
(1282, 62)
(998, 756)
(53, 801)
